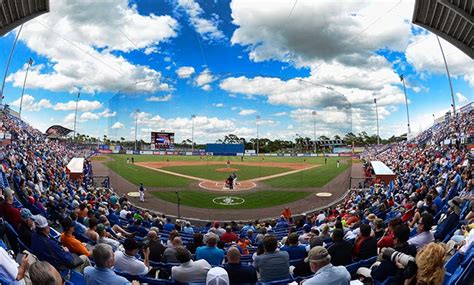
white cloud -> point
(425, 56)
(247, 112)
(204, 77)
(118, 125)
(29, 103)
(461, 98)
(69, 119)
(185, 71)
(164, 98)
(150, 50)
(208, 29)
(107, 114)
(78, 38)
(87, 116)
(206, 87)
(218, 105)
(279, 114)
(82, 105)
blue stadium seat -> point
(77, 278)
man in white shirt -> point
(189, 271)
(127, 261)
(10, 270)
(124, 212)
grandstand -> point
(65, 219)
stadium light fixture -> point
(75, 113)
(30, 62)
(402, 79)
(257, 120)
(8, 63)
(453, 105)
(192, 133)
(314, 129)
(377, 116)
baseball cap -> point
(25, 214)
(40, 221)
(100, 228)
(131, 244)
(217, 276)
(316, 253)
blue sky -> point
(229, 61)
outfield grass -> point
(254, 200)
(150, 178)
(245, 172)
(316, 177)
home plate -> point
(133, 194)
(323, 194)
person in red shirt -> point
(286, 213)
(229, 236)
(387, 239)
(8, 211)
(352, 219)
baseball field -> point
(261, 181)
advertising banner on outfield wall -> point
(146, 152)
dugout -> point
(382, 172)
(75, 168)
(225, 149)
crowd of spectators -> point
(67, 226)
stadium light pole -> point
(257, 121)
(75, 115)
(192, 133)
(8, 64)
(377, 116)
(402, 79)
(314, 129)
(136, 126)
(30, 62)
(449, 77)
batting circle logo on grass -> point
(228, 201)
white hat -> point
(217, 276)
(40, 221)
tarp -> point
(76, 165)
(380, 168)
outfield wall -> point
(200, 153)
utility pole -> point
(406, 103)
(258, 120)
(314, 130)
(75, 116)
(178, 197)
(377, 116)
(449, 78)
(30, 62)
(192, 133)
(136, 126)
(8, 63)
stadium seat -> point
(77, 278)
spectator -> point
(430, 262)
(286, 213)
(43, 273)
(188, 229)
(104, 237)
(387, 267)
(189, 270)
(197, 242)
(239, 273)
(387, 239)
(169, 255)
(102, 273)
(303, 268)
(378, 230)
(424, 234)
(91, 231)
(324, 272)
(26, 227)
(217, 276)
(451, 221)
(137, 228)
(156, 248)
(229, 236)
(272, 264)
(10, 270)
(128, 262)
(213, 255)
(8, 211)
(69, 241)
(49, 250)
(340, 250)
(365, 245)
(79, 228)
(169, 226)
(295, 251)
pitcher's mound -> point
(230, 169)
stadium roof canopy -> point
(450, 19)
(14, 13)
(57, 131)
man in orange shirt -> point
(69, 241)
(286, 213)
